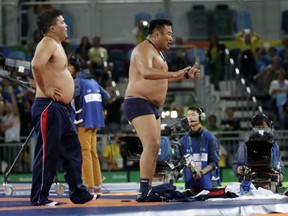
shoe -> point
(151, 196)
(95, 189)
(96, 196)
(52, 203)
(84, 197)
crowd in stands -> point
(263, 67)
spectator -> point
(278, 90)
(179, 55)
(215, 56)
(37, 36)
(212, 123)
(248, 40)
(89, 97)
(268, 74)
(112, 153)
(97, 56)
(82, 49)
(114, 112)
(11, 123)
(140, 30)
(229, 123)
(283, 53)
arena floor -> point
(119, 199)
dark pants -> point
(56, 139)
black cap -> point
(259, 118)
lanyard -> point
(201, 144)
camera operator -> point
(202, 149)
(258, 122)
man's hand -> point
(240, 170)
(194, 72)
(197, 175)
(53, 93)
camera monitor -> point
(18, 69)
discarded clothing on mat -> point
(165, 192)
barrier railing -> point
(229, 140)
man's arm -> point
(240, 160)
(192, 73)
(213, 156)
(144, 63)
(43, 53)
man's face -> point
(262, 125)
(61, 28)
(193, 118)
(166, 37)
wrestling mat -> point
(119, 199)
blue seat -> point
(69, 21)
(19, 55)
(199, 20)
(196, 54)
(242, 20)
(163, 15)
(142, 16)
(116, 54)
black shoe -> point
(151, 196)
(84, 198)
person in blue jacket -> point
(89, 97)
(259, 122)
(202, 152)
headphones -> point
(201, 113)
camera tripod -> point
(8, 188)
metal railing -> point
(229, 140)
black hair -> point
(158, 24)
(200, 111)
(75, 62)
(259, 118)
(47, 18)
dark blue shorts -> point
(134, 107)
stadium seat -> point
(163, 15)
(199, 21)
(142, 16)
(20, 55)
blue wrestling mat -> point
(119, 199)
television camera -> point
(16, 71)
(171, 160)
(261, 169)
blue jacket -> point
(90, 96)
(206, 151)
(241, 157)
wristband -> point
(186, 75)
(201, 172)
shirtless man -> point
(146, 93)
(56, 136)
